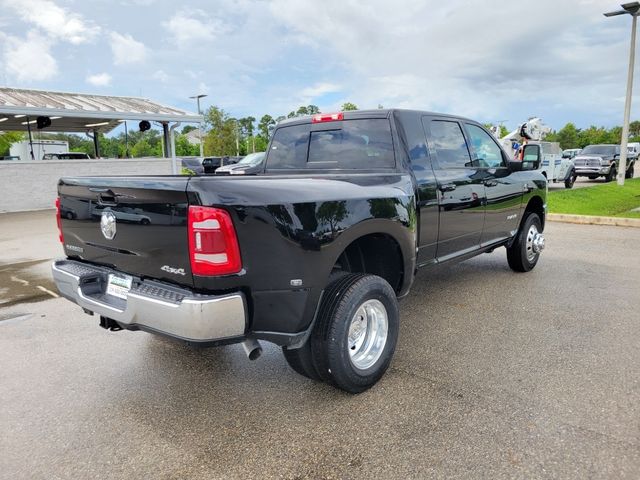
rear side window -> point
(450, 145)
(350, 144)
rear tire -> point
(520, 254)
(356, 331)
(630, 172)
(568, 183)
(300, 360)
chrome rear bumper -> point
(153, 306)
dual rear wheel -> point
(356, 329)
(355, 334)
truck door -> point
(412, 137)
(461, 191)
(503, 192)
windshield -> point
(599, 150)
(252, 159)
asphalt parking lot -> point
(497, 375)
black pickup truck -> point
(313, 253)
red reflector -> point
(327, 117)
(213, 244)
(59, 221)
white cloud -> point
(29, 59)
(53, 20)
(472, 58)
(99, 79)
(126, 49)
(161, 76)
(320, 89)
(189, 28)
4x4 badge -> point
(108, 225)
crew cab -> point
(311, 254)
(602, 161)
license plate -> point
(119, 285)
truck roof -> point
(373, 113)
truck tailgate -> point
(137, 225)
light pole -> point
(198, 97)
(632, 9)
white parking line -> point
(19, 280)
(46, 290)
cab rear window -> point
(349, 144)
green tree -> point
(188, 128)
(592, 136)
(263, 127)
(222, 132)
(184, 148)
(142, 148)
(312, 109)
(568, 136)
(634, 128)
(348, 106)
(7, 139)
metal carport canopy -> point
(79, 112)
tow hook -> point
(109, 324)
(538, 243)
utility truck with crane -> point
(551, 162)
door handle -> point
(490, 183)
(448, 187)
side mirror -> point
(531, 157)
(617, 155)
(516, 166)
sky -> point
(492, 61)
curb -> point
(593, 220)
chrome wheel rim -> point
(535, 243)
(367, 335)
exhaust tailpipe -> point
(252, 348)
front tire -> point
(523, 255)
(612, 174)
(356, 331)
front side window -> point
(486, 150)
(450, 145)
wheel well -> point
(535, 205)
(377, 254)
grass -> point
(608, 200)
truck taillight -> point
(327, 117)
(213, 244)
(59, 221)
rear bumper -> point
(153, 306)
